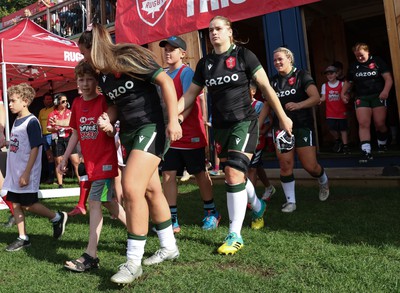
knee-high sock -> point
(135, 248)
(252, 198)
(84, 188)
(288, 184)
(236, 196)
(166, 234)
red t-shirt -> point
(193, 129)
(60, 117)
(335, 108)
(98, 149)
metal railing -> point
(70, 18)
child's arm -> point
(322, 98)
(73, 141)
(24, 179)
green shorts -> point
(149, 138)
(102, 190)
(370, 101)
(242, 137)
(303, 137)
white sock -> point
(252, 198)
(236, 202)
(269, 188)
(135, 250)
(288, 189)
(23, 237)
(56, 218)
(167, 238)
(323, 178)
(366, 147)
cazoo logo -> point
(222, 80)
(365, 74)
(282, 94)
(120, 90)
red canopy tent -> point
(31, 54)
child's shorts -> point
(337, 124)
(24, 199)
(102, 190)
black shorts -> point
(59, 146)
(24, 199)
(256, 160)
(177, 159)
(337, 124)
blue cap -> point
(174, 41)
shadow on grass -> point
(349, 216)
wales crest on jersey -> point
(230, 62)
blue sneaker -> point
(211, 220)
(232, 244)
(257, 219)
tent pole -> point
(5, 100)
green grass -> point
(351, 243)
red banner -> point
(145, 21)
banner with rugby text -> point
(145, 21)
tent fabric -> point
(38, 57)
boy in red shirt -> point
(101, 165)
(336, 112)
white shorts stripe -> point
(150, 142)
(245, 142)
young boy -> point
(24, 164)
(336, 112)
(100, 159)
(189, 151)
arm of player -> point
(173, 130)
(262, 81)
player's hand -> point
(174, 130)
(383, 95)
(104, 123)
(286, 124)
(62, 167)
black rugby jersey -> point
(292, 88)
(137, 100)
(227, 77)
(367, 77)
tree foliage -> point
(9, 6)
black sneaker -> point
(337, 148)
(18, 245)
(59, 226)
(10, 222)
(365, 157)
(346, 149)
(382, 148)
